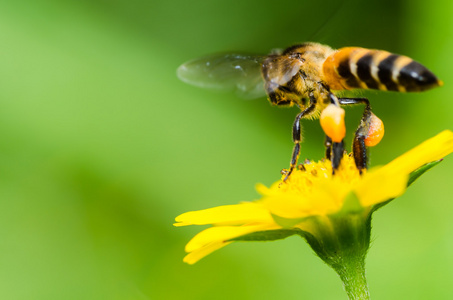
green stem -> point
(352, 273)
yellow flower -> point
(332, 212)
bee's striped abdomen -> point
(359, 68)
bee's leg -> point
(334, 152)
(337, 148)
(297, 137)
(328, 144)
(337, 155)
(358, 147)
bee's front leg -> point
(297, 138)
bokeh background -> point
(101, 147)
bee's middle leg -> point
(337, 155)
(328, 145)
(335, 150)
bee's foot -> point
(287, 173)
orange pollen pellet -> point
(332, 122)
(375, 133)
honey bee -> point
(307, 76)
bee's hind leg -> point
(359, 148)
(297, 138)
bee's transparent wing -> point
(227, 72)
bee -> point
(309, 76)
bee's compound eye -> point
(332, 122)
(376, 131)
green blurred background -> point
(101, 147)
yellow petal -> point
(237, 214)
(380, 185)
(390, 181)
(198, 254)
(321, 197)
(224, 233)
(433, 149)
(288, 207)
(262, 189)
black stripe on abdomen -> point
(344, 70)
(415, 77)
(385, 68)
(364, 71)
